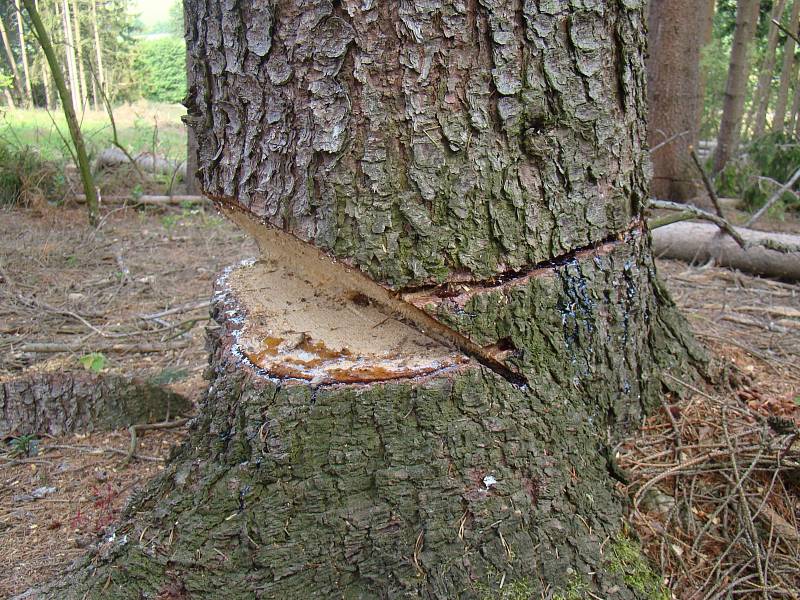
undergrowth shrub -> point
(26, 178)
(773, 157)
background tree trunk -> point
(23, 52)
(736, 87)
(12, 62)
(787, 71)
(764, 89)
(487, 163)
(69, 53)
(78, 54)
(675, 93)
(98, 50)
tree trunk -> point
(736, 87)
(764, 89)
(79, 54)
(12, 62)
(98, 51)
(69, 52)
(787, 71)
(23, 52)
(675, 94)
(484, 161)
(55, 401)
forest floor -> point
(62, 283)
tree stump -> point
(484, 162)
(340, 453)
(57, 399)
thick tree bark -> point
(484, 161)
(736, 87)
(764, 88)
(787, 71)
(192, 182)
(675, 93)
(420, 144)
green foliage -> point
(94, 362)
(27, 177)
(6, 80)
(773, 156)
(627, 560)
(161, 67)
(24, 445)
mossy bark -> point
(447, 486)
(483, 158)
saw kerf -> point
(348, 283)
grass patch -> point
(142, 127)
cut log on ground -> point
(112, 157)
(701, 242)
(55, 401)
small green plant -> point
(24, 445)
(169, 221)
(94, 362)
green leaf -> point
(94, 362)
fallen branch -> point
(689, 211)
(176, 200)
(52, 347)
(775, 197)
(712, 193)
(134, 429)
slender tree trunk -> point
(795, 99)
(48, 96)
(69, 52)
(736, 87)
(79, 54)
(9, 98)
(486, 162)
(764, 89)
(68, 106)
(98, 52)
(675, 93)
(787, 71)
(23, 51)
(12, 62)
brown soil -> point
(61, 282)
